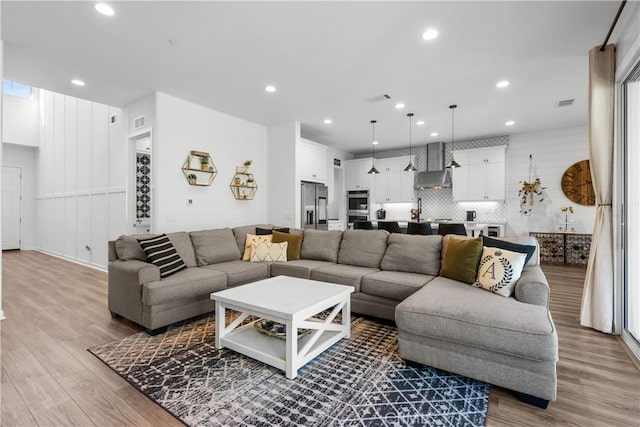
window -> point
(16, 89)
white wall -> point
(553, 152)
(281, 183)
(182, 126)
(24, 157)
(1, 154)
(80, 178)
(20, 120)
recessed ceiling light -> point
(375, 143)
(327, 121)
(78, 82)
(430, 34)
(400, 106)
(510, 123)
(104, 9)
(420, 122)
(502, 84)
(270, 89)
(434, 133)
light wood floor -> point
(56, 310)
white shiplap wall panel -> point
(57, 243)
(553, 152)
(83, 229)
(70, 227)
(99, 230)
(117, 217)
(99, 146)
(118, 162)
(70, 138)
(77, 193)
(58, 143)
(83, 147)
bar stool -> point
(423, 228)
(390, 226)
(362, 225)
(452, 228)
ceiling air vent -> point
(565, 103)
(139, 122)
(379, 98)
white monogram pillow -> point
(500, 270)
(264, 251)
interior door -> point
(11, 207)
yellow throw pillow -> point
(262, 251)
(294, 241)
(250, 240)
(461, 259)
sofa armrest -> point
(142, 272)
(125, 287)
(533, 288)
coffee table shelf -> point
(271, 350)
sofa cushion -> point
(363, 248)
(249, 241)
(396, 285)
(452, 311)
(461, 259)
(182, 242)
(321, 245)
(240, 233)
(299, 268)
(528, 250)
(128, 247)
(241, 272)
(186, 284)
(413, 254)
(265, 251)
(342, 274)
(500, 270)
(161, 253)
(213, 246)
(527, 241)
(294, 243)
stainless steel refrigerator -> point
(314, 206)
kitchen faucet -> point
(419, 209)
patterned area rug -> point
(357, 382)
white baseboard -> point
(73, 260)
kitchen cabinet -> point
(311, 161)
(356, 174)
(481, 176)
(393, 184)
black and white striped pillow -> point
(161, 252)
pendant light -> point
(410, 167)
(453, 164)
(373, 169)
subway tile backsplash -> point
(439, 203)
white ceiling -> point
(325, 58)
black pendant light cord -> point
(613, 25)
(453, 143)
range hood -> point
(436, 176)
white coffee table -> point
(290, 301)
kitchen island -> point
(474, 228)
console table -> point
(564, 248)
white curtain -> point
(597, 297)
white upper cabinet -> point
(393, 184)
(311, 161)
(482, 175)
(356, 174)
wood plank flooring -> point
(57, 309)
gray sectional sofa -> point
(510, 342)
